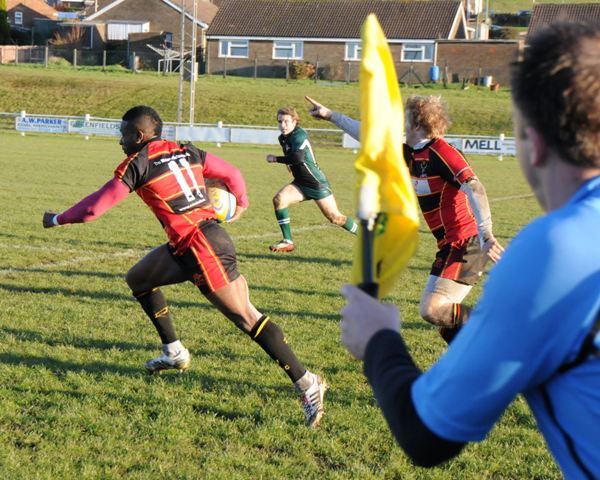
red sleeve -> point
(94, 205)
(215, 167)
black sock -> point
(155, 306)
(460, 315)
(270, 337)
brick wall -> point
(28, 16)
(470, 59)
(329, 56)
(162, 17)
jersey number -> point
(186, 188)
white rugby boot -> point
(180, 361)
(282, 246)
(312, 401)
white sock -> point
(305, 381)
(173, 348)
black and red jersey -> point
(169, 178)
(437, 171)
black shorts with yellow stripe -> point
(209, 261)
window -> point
(18, 18)
(168, 39)
(353, 51)
(233, 48)
(288, 50)
(417, 52)
(121, 30)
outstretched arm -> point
(91, 207)
(478, 200)
(347, 124)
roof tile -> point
(333, 18)
(544, 14)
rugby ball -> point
(222, 200)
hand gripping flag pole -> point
(387, 206)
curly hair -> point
(291, 111)
(430, 113)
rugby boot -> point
(180, 361)
(312, 401)
(282, 246)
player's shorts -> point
(462, 261)
(209, 261)
(314, 193)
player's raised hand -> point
(271, 159)
(493, 249)
(318, 110)
(48, 220)
(362, 317)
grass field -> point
(232, 100)
(76, 402)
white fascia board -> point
(105, 9)
(128, 22)
(200, 23)
(458, 18)
(171, 4)
(79, 24)
(313, 39)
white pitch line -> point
(134, 253)
(271, 234)
(104, 256)
(43, 248)
(72, 261)
(511, 197)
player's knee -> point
(432, 313)
(135, 282)
(130, 279)
(278, 202)
(426, 313)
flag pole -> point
(386, 202)
(368, 285)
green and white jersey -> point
(299, 155)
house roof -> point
(544, 14)
(205, 11)
(38, 6)
(336, 18)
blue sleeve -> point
(516, 337)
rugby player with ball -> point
(170, 179)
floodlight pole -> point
(193, 65)
(181, 64)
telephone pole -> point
(181, 63)
(188, 67)
(193, 70)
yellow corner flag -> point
(387, 205)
